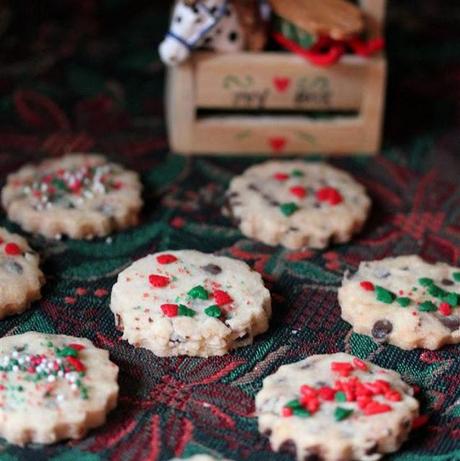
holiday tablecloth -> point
(81, 75)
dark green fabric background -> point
(83, 75)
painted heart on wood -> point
(281, 84)
(278, 143)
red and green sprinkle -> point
(58, 364)
(448, 300)
(348, 389)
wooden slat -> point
(279, 135)
(276, 81)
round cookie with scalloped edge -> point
(297, 204)
(80, 196)
(190, 303)
(404, 301)
(53, 387)
(335, 408)
(20, 276)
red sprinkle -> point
(286, 412)
(159, 281)
(363, 402)
(312, 405)
(358, 363)
(222, 297)
(12, 249)
(445, 309)
(281, 176)
(368, 286)
(298, 191)
(166, 259)
(76, 364)
(326, 393)
(329, 194)
(419, 421)
(393, 396)
(308, 391)
(170, 310)
(77, 347)
(343, 368)
(375, 408)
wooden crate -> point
(276, 102)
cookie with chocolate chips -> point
(335, 408)
(80, 196)
(404, 301)
(297, 204)
(190, 303)
(20, 276)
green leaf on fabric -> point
(313, 272)
(94, 269)
(166, 172)
(362, 346)
(452, 456)
(7, 457)
(123, 244)
(34, 320)
(73, 454)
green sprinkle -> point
(301, 412)
(340, 397)
(384, 295)
(297, 173)
(452, 299)
(342, 413)
(84, 392)
(66, 352)
(456, 276)
(403, 302)
(288, 209)
(213, 311)
(294, 404)
(427, 306)
(436, 291)
(198, 292)
(425, 282)
(185, 311)
(49, 344)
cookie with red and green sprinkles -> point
(80, 196)
(297, 204)
(190, 303)
(20, 276)
(336, 408)
(53, 387)
(404, 301)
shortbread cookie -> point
(404, 301)
(190, 303)
(20, 275)
(335, 408)
(53, 387)
(80, 196)
(297, 204)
